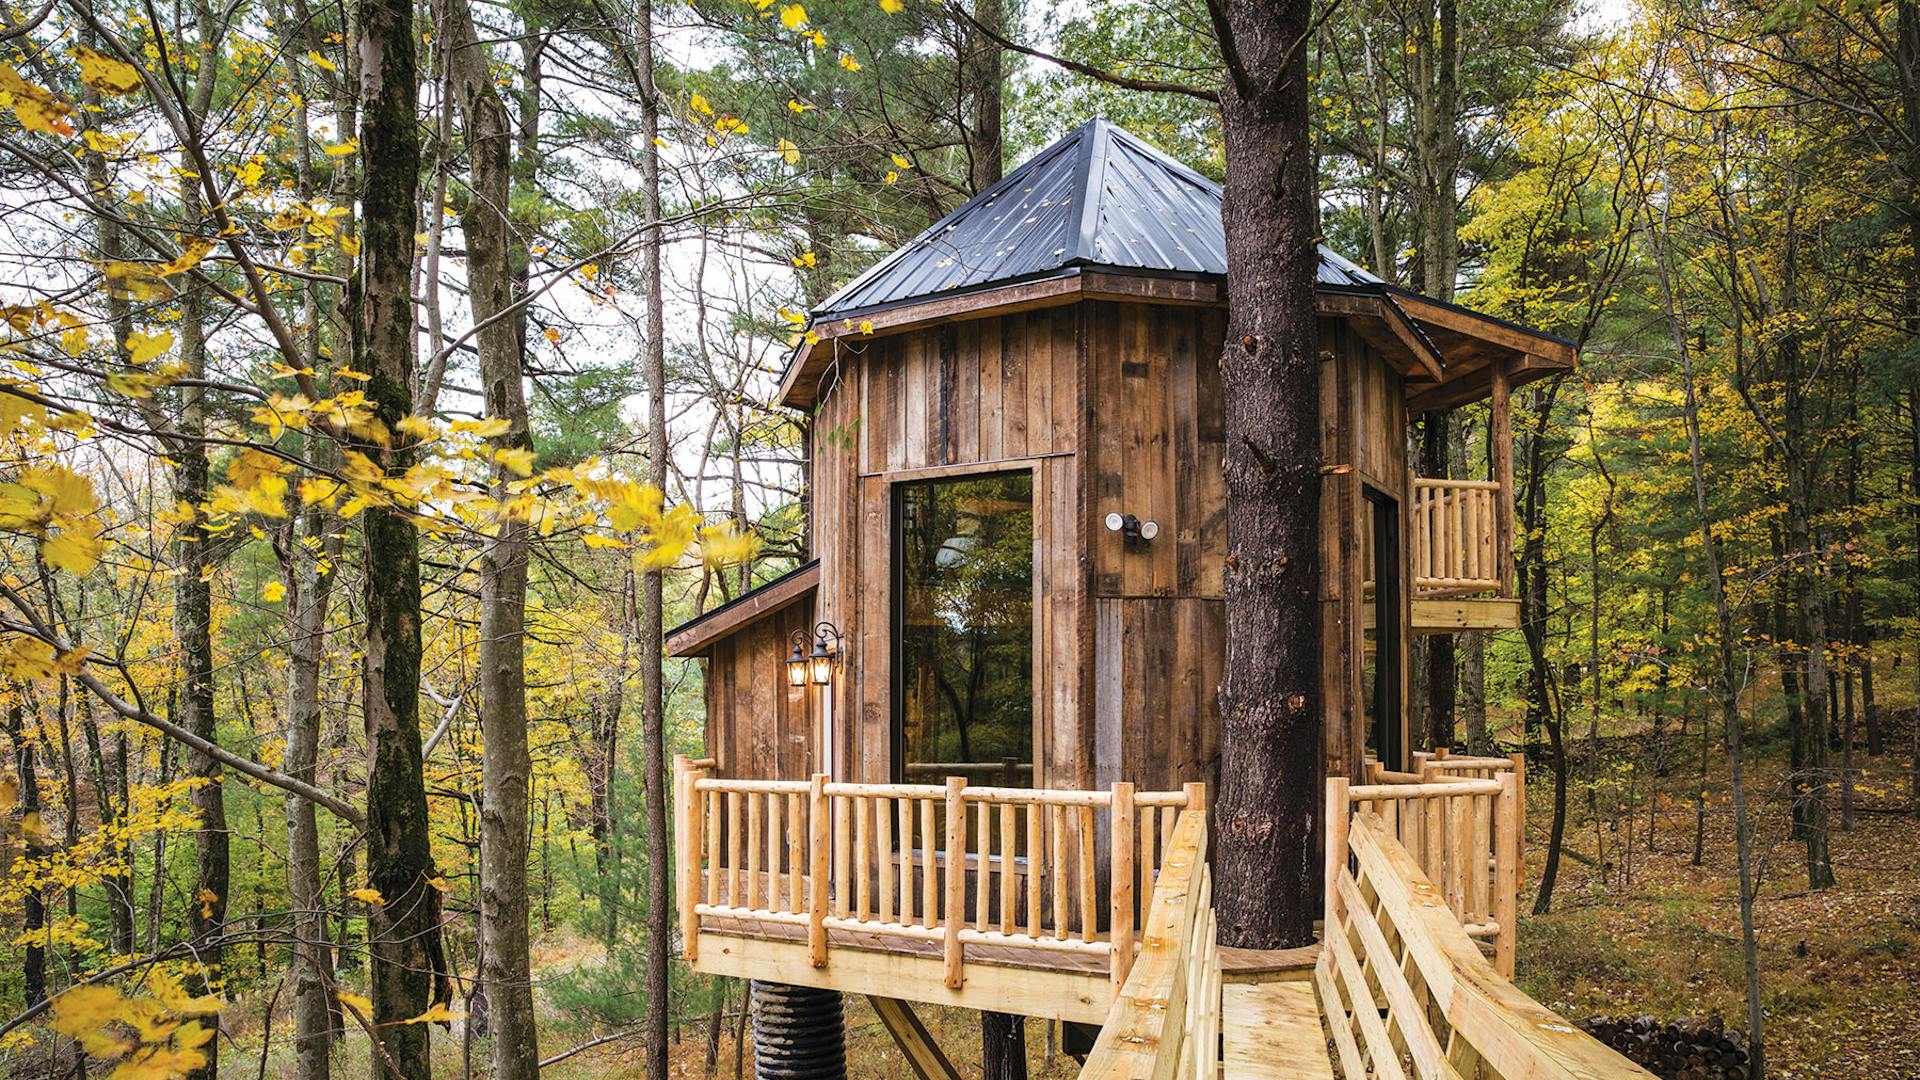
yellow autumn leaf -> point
(699, 104)
(793, 16)
(367, 896)
(726, 545)
(900, 161)
(75, 549)
(34, 104)
(106, 74)
(490, 428)
(730, 125)
(553, 335)
(892, 7)
(806, 260)
(890, 177)
(788, 151)
(142, 346)
(341, 149)
(796, 105)
(847, 61)
(321, 62)
(516, 459)
(355, 1001)
(67, 493)
(596, 540)
(87, 1013)
(438, 1014)
(273, 592)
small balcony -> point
(1462, 556)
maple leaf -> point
(142, 346)
(892, 7)
(106, 74)
(793, 16)
(789, 152)
(273, 592)
(847, 61)
(34, 104)
(76, 549)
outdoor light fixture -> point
(797, 660)
(1132, 528)
(817, 666)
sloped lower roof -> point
(1099, 197)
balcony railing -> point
(1041, 876)
(1458, 530)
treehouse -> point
(962, 755)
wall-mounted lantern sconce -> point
(815, 666)
(1132, 528)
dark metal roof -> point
(1100, 196)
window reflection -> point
(964, 619)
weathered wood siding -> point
(758, 727)
(1111, 406)
(989, 394)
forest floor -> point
(1647, 932)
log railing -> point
(1048, 871)
(1457, 529)
(1404, 990)
(1461, 820)
(1165, 1024)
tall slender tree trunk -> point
(1726, 690)
(403, 932)
(506, 764)
(1272, 707)
(1808, 571)
(985, 156)
(33, 905)
(653, 735)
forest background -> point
(379, 383)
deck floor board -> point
(1273, 1032)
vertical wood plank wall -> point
(1111, 406)
(759, 728)
(980, 395)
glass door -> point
(963, 629)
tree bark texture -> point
(1271, 704)
(653, 735)
(403, 931)
(505, 764)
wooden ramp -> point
(1272, 1032)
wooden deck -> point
(1271, 1031)
(1097, 908)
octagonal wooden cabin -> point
(1039, 365)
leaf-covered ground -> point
(1840, 967)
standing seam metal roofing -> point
(1100, 196)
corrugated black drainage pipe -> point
(799, 1033)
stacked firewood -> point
(1684, 1049)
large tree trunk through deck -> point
(653, 735)
(1271, 705)
(506, 764)
(403, 932)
